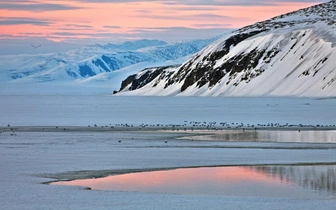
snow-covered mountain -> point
(289, 55)
(94, 61)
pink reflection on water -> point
(177, 177)
(263, 181)
(240, 181)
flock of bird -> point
(193, 125)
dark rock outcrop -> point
(144, 77)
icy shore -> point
(36, 152)
(33, 158)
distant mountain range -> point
(95, 62)
(289, 55)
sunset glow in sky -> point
(102, 21)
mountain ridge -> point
(93, 60)
(288, 55)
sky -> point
(61, 24)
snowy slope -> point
(93, 60)
(289, 55)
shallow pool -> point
(311, 181)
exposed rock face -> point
(206, 71)
(143, 78)
(288, 55)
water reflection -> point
(310, 136)
(317, 178)
(265, 181)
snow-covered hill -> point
(94, 62)
(289, 55)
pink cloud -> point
(124, 17)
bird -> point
(35, 46)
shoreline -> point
(167, 128)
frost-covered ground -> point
(29, 159)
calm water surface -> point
(86, 110)
(265, 181)
(307, 136)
